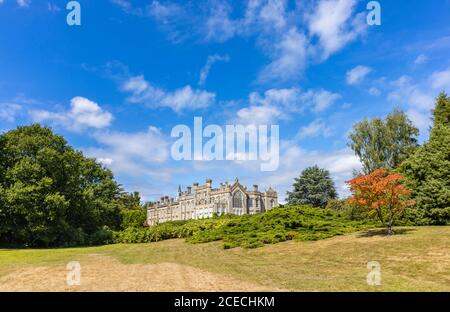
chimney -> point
(208, 182)
(189, 189)
(255, 188)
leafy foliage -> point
(249, 231)
(382, 193)
(314, 187)
(130, 200)
(342, 208)
(50, 194)
(133, 218)
(441, 112)
(428, 170)
(384, 144)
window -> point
(238, 200)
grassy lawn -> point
(415, 259)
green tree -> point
(133, 218)
(313, 187)
(384, 144)
(428, 170)
(441, 112)
(131, 201)
(50, 194)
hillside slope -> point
(417, 258)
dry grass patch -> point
(416, 259)
(103, 273)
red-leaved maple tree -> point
(383, 193)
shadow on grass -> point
(383, 232)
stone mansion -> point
(203, 201)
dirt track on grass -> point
(101, 273)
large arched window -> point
(238, 200)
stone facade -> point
(203, 201)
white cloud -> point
(124, 4)
(289, 58)
(211, 60)
(288, 36)
(289, 99)
(346, 105)
(181, 99)
(357, 74)
(149, 146)
(323, 99)
(105, 161)
(273, 13)
(83, 114)
(266, 15)
(24, 3)
(218, 25)
(138, 159)
(421, 59)
(421, 119)
(53, 7)
(374, 91)
(279, 104)
(340, 163)
(418, 103)
(258, 115)
(162, 12)
(332, 21)
(316, 128)
(440, 80)
(9, 111)
(294, 100)
(407, 92)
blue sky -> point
(116, 85)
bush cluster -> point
(249, 231)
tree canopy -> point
(50, 194)
(428, 170)
(382, 193)
(313, 187)
(441, 112)
(384, 143)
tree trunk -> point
(390, 231)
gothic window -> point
(238, 200)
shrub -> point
(249, 231)
(133, 218)
(351, 212)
